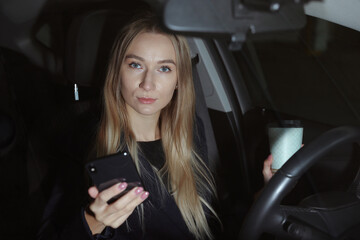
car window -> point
(311, 74)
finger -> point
(267, 176)
(100, 203)
(107, 194)
(268, 161)
(93, 192)
(267, 173)
(129, 201)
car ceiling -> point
(19, 21)
(22, 13)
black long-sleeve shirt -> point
(162, 218)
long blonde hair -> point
(189, 178)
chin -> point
(147, 112)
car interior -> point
(254, 62)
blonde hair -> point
(189, 179)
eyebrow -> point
(142, 59)
(167, 61)
(134, 56)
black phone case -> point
(109, 170)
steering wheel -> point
(322, 216)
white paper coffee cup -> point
(285, 140)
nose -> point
(147, 82)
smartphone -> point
(109, 170)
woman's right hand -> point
(116, 213)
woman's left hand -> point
(267, 173)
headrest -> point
(89, 41)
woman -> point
(149, 103)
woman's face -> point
(148, 74)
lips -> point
(145, 100)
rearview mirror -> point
(232, 18)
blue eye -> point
(135, 65)
(165, 69)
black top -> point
(153, 152)
(64, 215)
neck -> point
(145, 127)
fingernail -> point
(122, 186)
(144, 195)
(138, 190)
